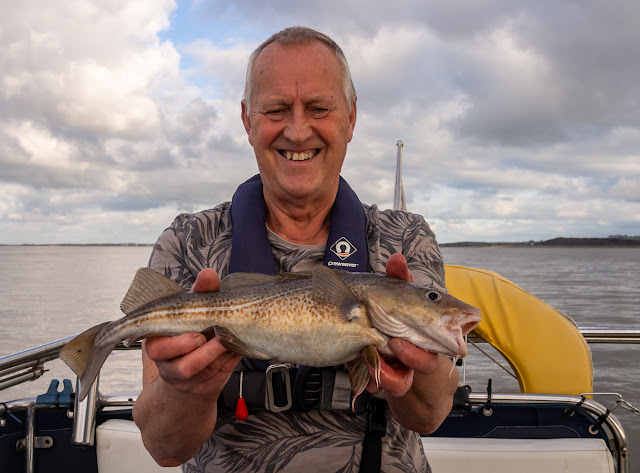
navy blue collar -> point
(251, 251)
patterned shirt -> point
(292, 441)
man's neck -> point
(303, 225)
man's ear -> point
(246, 120)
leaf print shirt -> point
(290, 441)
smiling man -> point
(299, 111)
(299, 122)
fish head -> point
(430, 319)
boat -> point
(553, 423)
(556, 422)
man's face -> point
(299, 123)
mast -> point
(399, 202)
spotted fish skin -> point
(323, 318)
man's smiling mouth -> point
(302, 156)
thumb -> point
(206, 281)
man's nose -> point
(298, 128)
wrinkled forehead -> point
(310, 62)
(312, 47)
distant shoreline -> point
(632, 241)
(78, 244)
(561, 241)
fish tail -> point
(84, 358)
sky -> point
(520, 119)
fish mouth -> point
(298, 155)
(444, 341)
(460, 325)
(436, 339)
(443, 335)
(466, 321)
(448, 338)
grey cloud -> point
(589, 48)
(40, 176)
(363, 17)
(197, 119)
(18, 166)
(485, 141)
(129, 203)
(627, 188)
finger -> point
(203, 361)
(185, 376)
(206, 281)
(208, 380)
(395, 378)
(214, 378)
(397, 267)
(416, 358)
(165, 348)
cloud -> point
(65, 69)
(517, 122)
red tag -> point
(241, 409)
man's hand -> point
(417, 384)
(396, 376)
(188, 373)
(407, 353)
(188, 362)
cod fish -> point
(322, 318)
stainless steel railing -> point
(594, 408)
(29, 364)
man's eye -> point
(319, 111)
(278, 111)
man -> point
(299, 111)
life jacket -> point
(304, 388)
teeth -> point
(299, 156)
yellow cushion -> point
(546, 351)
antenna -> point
(399, 202)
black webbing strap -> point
(371, 459)
(312, 388)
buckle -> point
(274, 394)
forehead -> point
(297, 69)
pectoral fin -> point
(359, 378)
(373, 358)
(359, 372)
(230, 341)
(328, 288)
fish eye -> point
(433, 295)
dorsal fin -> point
(148, 286)
(296, 276)
(329, 288)
(240, 280)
